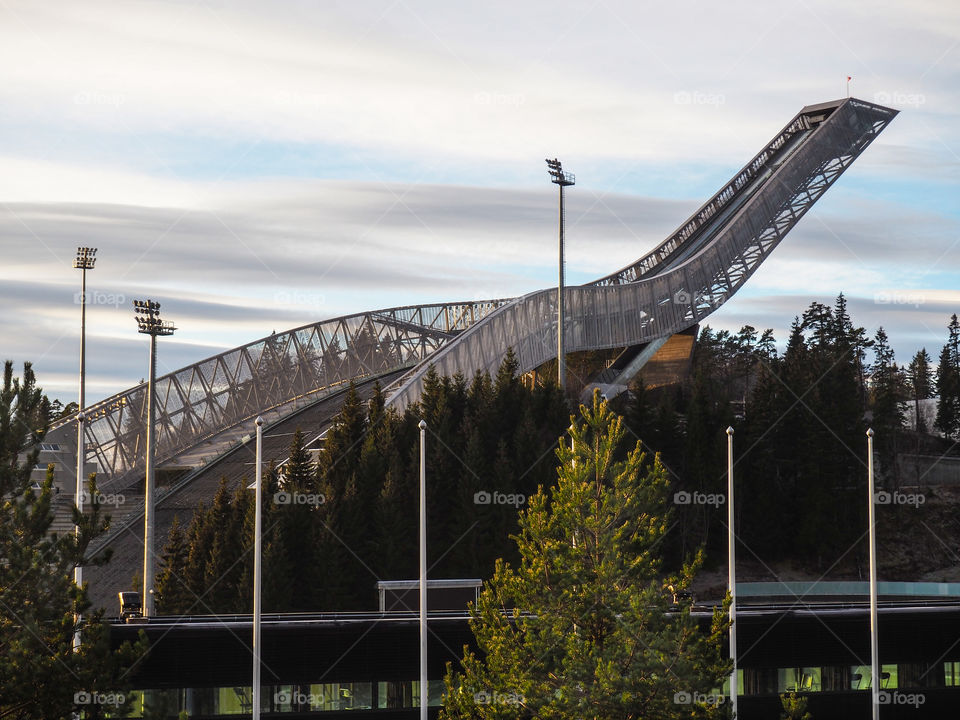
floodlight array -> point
(86, 258)
(148, 318)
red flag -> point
(849, 78)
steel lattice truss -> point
(694, 272)
(672, 288)
(286, 370)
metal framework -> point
(683, 280)
(286, 370)
(693, 272)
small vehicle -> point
(131, 608)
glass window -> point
(321, 697)
(158, 703)
(890, 677)
(759, 681)
(394, 695)
(282, 697)
(836, 678)
(234, 700)
(811, 679)
(800, 679)
(316, 697)
(918, 675)
(788, 680)
(860, 677)
(406, 694)
(726, 685)
(434, 693)
(951, 674)
(361, 696)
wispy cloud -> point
(258, 167)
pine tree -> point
(887, 391)
(921, 387)
(199, 541)
(852, 339)
(39, 603)
(805, 407)
(948, 383)
(589, 634)
(885, 380)
(760, 476)
(173, 595)
(640, 415)
(222, 570)
(341, 450)
(707, 417)
(320, 565)
(794, 707)
(313, 555)
(396, 523)
(767, 346)
(278, 568)
(953, 340)
(442, 407)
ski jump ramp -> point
(675, 286)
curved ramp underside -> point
(677, 285)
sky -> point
(257, 166)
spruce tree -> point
(948, 383)
(849, 338)
(887, 386)
(640, 415)
(199, 540)
(173, 595)
(341, 450)
(302, 521)
(223, 567)
(805, 407)
(921, 388)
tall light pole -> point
(424, 695)
(86, 259)
(257, 514)
(732, 573)
(559, 177)
(874, 643)
(149, 323)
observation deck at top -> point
(672, 288)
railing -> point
(601, 316)
(695, 223)
(286, 370)
(297, 367)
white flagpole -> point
(256, 570)
(874, 648)
(732, 573)
(423, 572)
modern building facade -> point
(813, 640)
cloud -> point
(258, 167)
(274, 257)
(425, 83)
(267, 258)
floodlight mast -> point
(86, 259)
(149, 323)
(562, 179)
